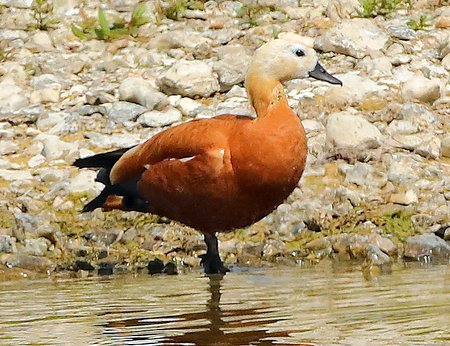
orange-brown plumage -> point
(221, 173)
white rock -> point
(446, 61)
(419, 114)
(45, 80)
(117, 140)
(178, 39)
(363, 174)
(8, 147)
(425, 144)
(56, 149)
(121, 111)
(190, 107)
(421, 88)
(140, 91)
(36, 160)
(345, 130)
(12, 96)
(343, 9)
(12, 175)
(46, 95)
(355, 37)
(66, 7)
(17, 3)
(232, 65)
(312, 126)
(42, 41)
(190, 78)
(401, 127)
(355, 89)
(53, 175)
(84, 182)
(445, 146)
(46, 121)
(404, 198)
(234, 105)
(402, 171)
(167, 116)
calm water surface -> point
(327, 304)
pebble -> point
(355, 37)
(425, 246)
(404, 198)
(421, 89)
(122, 111)
(445, 146)
(165, 117)
(140, 91)
(190, 78)
(346, 130)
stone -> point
(443, 22)
(165, 117)
(401, 127)
(354, 90)
(13, 175)
(404, 198)
(178, 39)
(84, 182)
(354, 37)
(12, 96)
(56, 149)
(7, 244)
(343, 9)
(117, 140)
(140, 91)
(421, 88)
(384, 244)
(42, 41)
(445, 146)
(232, 65)
(34, 263)
(122, 111)
(429, 245)
(17, 3)
(363, 174)
(425, 144)
(8, 147)
(446, 61)
(190, 107)
(189, 78)
(46, 95)
(345, 130)
(35, 247)
(418, 114)
(376, 257)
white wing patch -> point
(186, 159)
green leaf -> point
(104, 25)
(137, 17)
(77, 32)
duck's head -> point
(289, 57)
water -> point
(327, 304)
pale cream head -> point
(289, 57)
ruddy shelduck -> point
(222, 173)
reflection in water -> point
(321, 305)
(240, 326)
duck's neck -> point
(264, 93)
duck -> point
(221, 173)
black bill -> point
(320, 74)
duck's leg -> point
(211, 261)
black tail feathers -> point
(128, 189)
(103, 160)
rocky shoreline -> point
(377, 184)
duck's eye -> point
(299, 52)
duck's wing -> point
(188, 151)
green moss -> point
(7, 219)
(398, 224)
